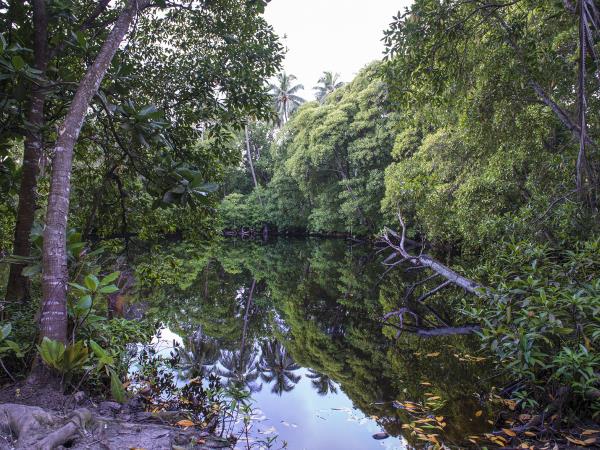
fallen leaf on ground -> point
(478, 413)
(185, 423)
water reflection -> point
(298, 323)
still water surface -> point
(297, 322)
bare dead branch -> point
(425, 261)
(434, 291)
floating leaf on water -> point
(381, 435)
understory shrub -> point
(543, 322)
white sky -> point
(336, 35)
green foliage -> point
(8, 346)
(107, 362)
(64, 359)
(237, 211)
(542, 321)
(326, 164)
(92, 292)
(479, 157)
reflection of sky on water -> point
(307, 420)
(302, 417)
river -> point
(298, 323)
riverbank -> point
(42, 418)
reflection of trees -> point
(320, 299)
(199, 352)
(240, 369)
(277, 365)
(321, 382)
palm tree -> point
(284, 96)
(240, 368)
(277, 365)
(199, 352)
(326, 85)
(321, 382)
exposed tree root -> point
(34, 428)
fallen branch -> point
(397, 243)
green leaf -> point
(15, 348)
(91, 282)
(52, 353)
(84, 303)
(5, 331)
(79, 287)
(147, 110)
(116, 388)
(109, 278)
(108, 289)
(98, 351)
(80, 36)
(75, 357)
(18, 62)
(31, 271)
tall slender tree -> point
(326, 85)
(285, 96)
(18, 284)
(53, 322)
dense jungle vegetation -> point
(473, 143)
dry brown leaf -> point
(588, 432)
(185, 423)
(529, 433)
(433, 355)
(478, 413)
(509, 432)
(439, 418)
(425, 383)
(575, 441)
(589, 441)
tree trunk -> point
(53, 324)
(250, 163)
(18, 285)
(249, 156)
